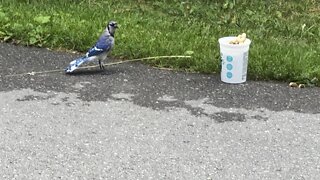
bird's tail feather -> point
(76, 63)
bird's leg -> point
(100, 64)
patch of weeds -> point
(39, 32)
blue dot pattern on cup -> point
(229, 58)
(229, 75)
(229, 67)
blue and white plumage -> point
(99, 51)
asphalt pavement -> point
(132, 121)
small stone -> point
(293, 84)
(302, 86)
(31, 73)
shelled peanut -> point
(240, 39)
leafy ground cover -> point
(285, 34)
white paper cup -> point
(234, 60)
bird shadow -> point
(86, 72)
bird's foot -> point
(101, 65)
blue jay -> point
(99, 50)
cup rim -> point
(224, 41)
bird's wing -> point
(104, 44)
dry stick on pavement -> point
(108, 64)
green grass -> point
(285, 34)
